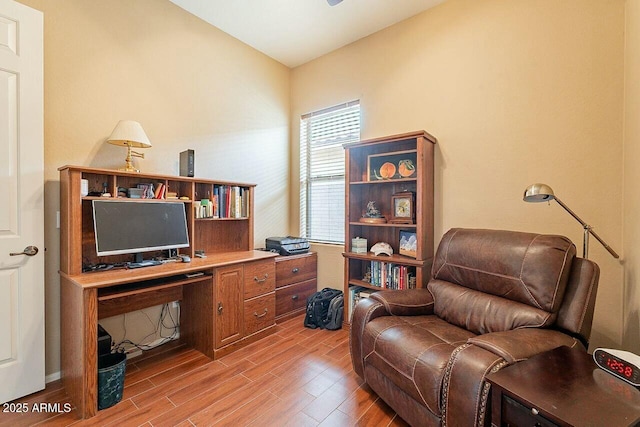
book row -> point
(388, 275)
(227, 202)
(148, 191)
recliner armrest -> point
(366, 310)
(465, 392)
(407, 302)
(520, 344)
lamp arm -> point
(588, 228)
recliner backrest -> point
(576, 313)
(495, 280)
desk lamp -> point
(543, 193)
(129, 134)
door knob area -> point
(28, 251)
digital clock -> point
(623, 364)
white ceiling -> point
(296, 31)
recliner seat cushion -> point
(413, 352)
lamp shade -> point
(536, 193)
(129, 133)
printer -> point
(287, 245)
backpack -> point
(318, 309)
(335, 313)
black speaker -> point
(187, 163)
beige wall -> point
(188, 84)
(631, 306)
(516, 92)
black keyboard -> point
(146, 263)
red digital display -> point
(617, 366)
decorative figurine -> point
(367, 276)
(373, 215)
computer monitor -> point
(133, 227)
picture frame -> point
(408, 243)
(392, 166)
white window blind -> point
(322, 134)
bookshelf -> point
(376, 170)
(229, 230)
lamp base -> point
(129, 160)
(129, 169)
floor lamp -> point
(537, 193)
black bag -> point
(335, 313)
(318, 306)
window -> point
(322, 134)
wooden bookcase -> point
(365, 183)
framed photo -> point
(408, 245)
(403, 208)
(388, 166)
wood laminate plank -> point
(313, 388)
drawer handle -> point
(294, 297)
(261, 315)
(264, 279)
(534, 411)
(295, 270)
(219, 308)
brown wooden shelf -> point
(132, 199)
(364, 284)
(222, 219)
(384, 181)
(137, 288)
(384, 224)
(397, 259)
(127, 298)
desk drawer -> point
(516, 414)
(259, 278)
(259, 313)
(296, 268)
(294, 297)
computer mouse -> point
(185, 258)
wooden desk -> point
(87, 297)
(296, 280)
(561, 387)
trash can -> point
(111, 369)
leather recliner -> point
(494, 298)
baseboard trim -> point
(52, 377)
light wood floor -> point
(297, 377)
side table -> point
(561, 387)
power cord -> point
(125, 344)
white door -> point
(21, 201)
